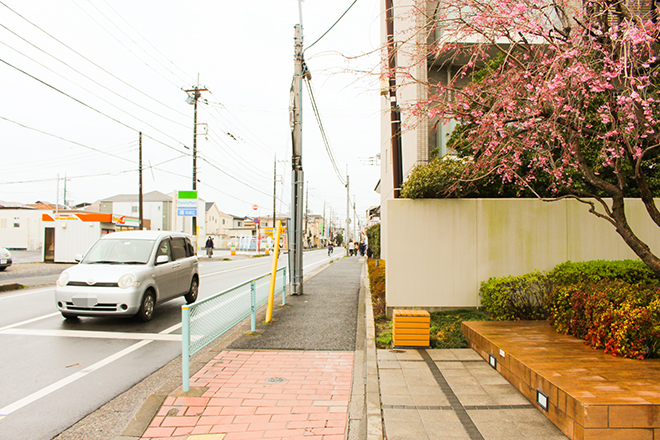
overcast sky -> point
(123, 65)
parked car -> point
(128, 274)
(5, 259)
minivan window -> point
(164, 249)
(119, 251)
(178, 248)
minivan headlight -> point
(127, 281)
(63, 279)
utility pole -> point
(297, 175)
(196, 94)
(64, 201)
(348, 212)
(275, 196)
(395, 113)
(355, 220)
(140, 204)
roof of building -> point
(14, 205)
(153, 196)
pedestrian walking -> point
(209, 247)
(351, 248)
(330, 248)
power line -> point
(112, 173)
(328, 149)
(149, 43)
(90, 107)
(66, 140)
(119, 41)
(96, 65)
(342, 16)
(236, 179)
(90, 79)
(83, 75)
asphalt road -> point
(55, 372)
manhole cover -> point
(275, 380)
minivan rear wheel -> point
(191, 296)
(147, 306)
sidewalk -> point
(284, 383)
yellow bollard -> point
(271, 293)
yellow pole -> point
(271, 293)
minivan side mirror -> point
(162, 259)
(77, 258)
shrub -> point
(622, 318)
(373, 238)
(516, 298)
(630, 271)
(377, 285)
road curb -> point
(8, 287)
(373, 403)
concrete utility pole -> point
(355, 230)
(140, 201)
(274, 196)
(297, 175)
(348, 212)
(196, 94)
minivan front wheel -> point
(146, 311)
(191, 296)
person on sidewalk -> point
(351, 248)
(209, 247)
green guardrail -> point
(205, 320)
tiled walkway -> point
(453, 394)
(262, 395)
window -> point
(179, 249)
(164, 249)
(17, 225)
(223, 221)
(239, 224)
(134, 209)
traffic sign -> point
(255, 207)
(256, 220)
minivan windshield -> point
(119, 251)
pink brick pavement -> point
(311, 402)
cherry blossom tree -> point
(570, 96)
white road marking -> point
(29, 292)
(4, 412)
(231, 270)
(92, 334)
(29, 321)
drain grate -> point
(275, 380)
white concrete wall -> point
(73, 237)
(27, 235)
(440, 250)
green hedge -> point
(522, 297)
(512, 298)
(613, 305)
(630, 271)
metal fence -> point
(205, 320)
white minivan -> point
(128, 274)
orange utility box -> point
(411, 328)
